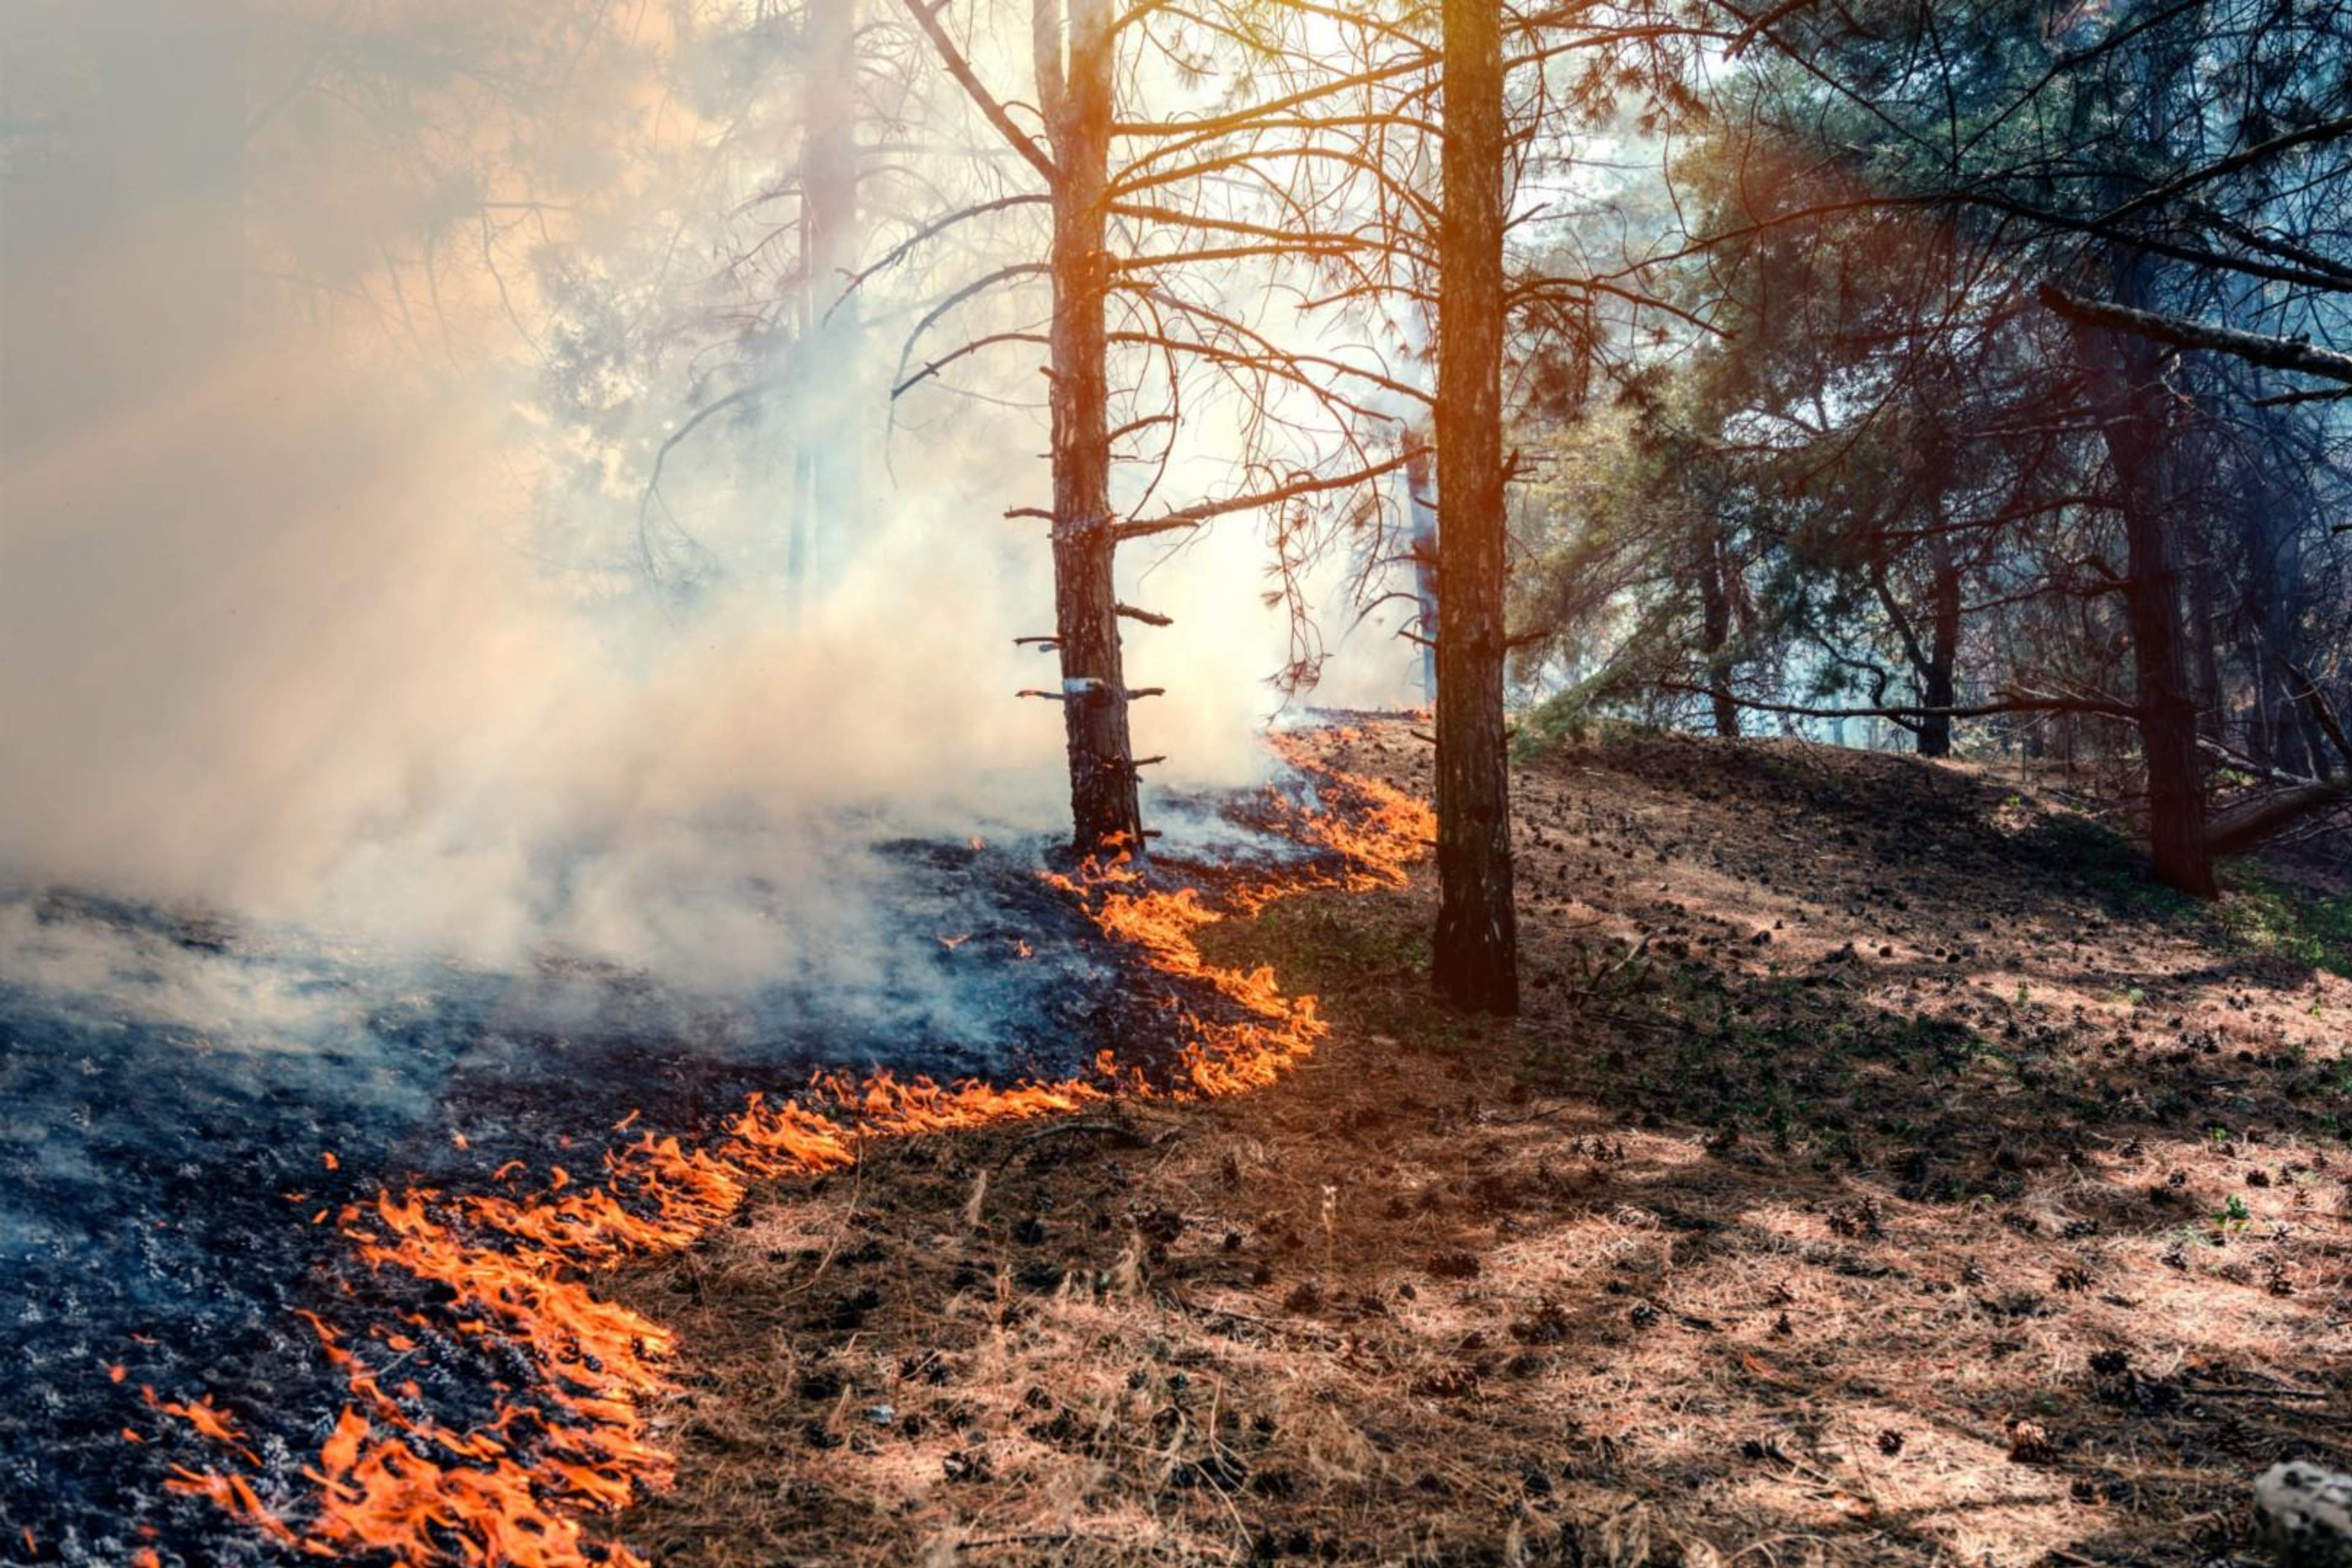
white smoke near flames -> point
(301, 640)
(282, 646)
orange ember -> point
(514, 1271)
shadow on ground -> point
(1883, 1172)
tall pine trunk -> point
(2203, 631)
(1078, 98)
(2270, 526)
(1714, 626)
(1421, 510)
(828, 404)
(2121, 373)
(1936, 686)
(1476, 949)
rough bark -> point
(1936, 683)
(2121, 373)
(1104, 812)
(1476, 948)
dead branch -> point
(899, 251)
(2018, 704)
(2322, 713)
(1193, 516)
(926, 17)
(2241, 829)
(2230, 756)
(2326, 131)
(2278, 353)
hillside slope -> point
(1883, 1173)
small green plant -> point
(2233, 1217)
(2293, 922)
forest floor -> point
(1882, 1173)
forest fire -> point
(642, 638)
(551, 1428)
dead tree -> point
(1450, 253)
(1075, 61)
(1077, 73)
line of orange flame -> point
(514, 1270)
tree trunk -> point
(1936, 685)
(828, 408)
(1715, 613)
(1421, 512)
(1104, 813)
(2120, 374)
(2203, 633)
(2271, 531)
(1476, 948)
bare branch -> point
(1193, 516)
(898, 252)
(926, 17)
(2021, 703)
(2278, 353)
(2326, 131)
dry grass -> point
(1992, 1211)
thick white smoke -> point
(298, 636)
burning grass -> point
(418, 1469)
(1784, 1250)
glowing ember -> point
(569, 1436)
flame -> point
(513, 1273)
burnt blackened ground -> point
(186, 1096)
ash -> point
(191, 1098)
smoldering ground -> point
(346, 818)
(372, 791)
(341, 825)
